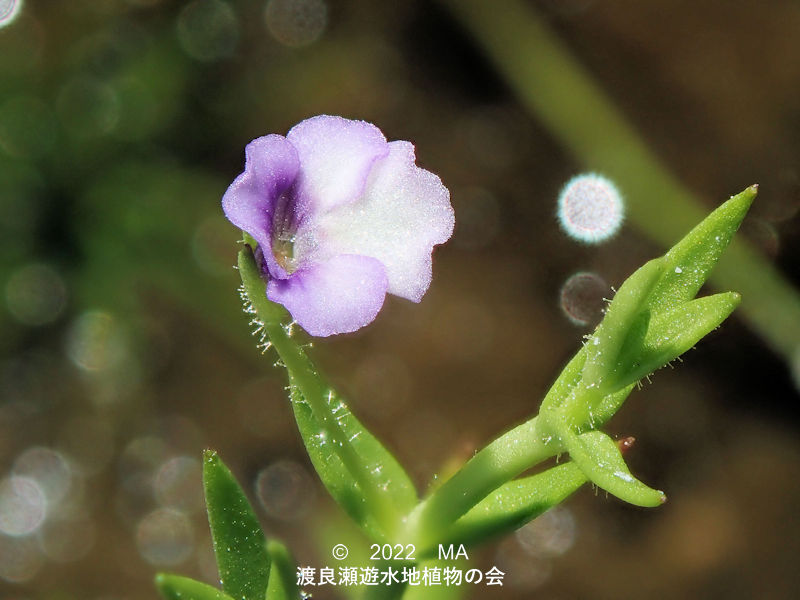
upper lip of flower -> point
(331, 189)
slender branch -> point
(500, 461)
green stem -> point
(563, 96)
(304, 375)
(512, 453)
(502, 460)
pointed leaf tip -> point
(239, 543)
(673, 332)
(175, 587)
(689, 262)
(600, 459)
(516, 502)
(282, 582)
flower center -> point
(283, 251)
(284, 228)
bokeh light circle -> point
(96, 341)
(23, 506)
(208, 30)
(552, 534)
(582, 298)
(178, 484)
(590, 208)
(49, 468)
(285, 490)
(165, 537)
(296, 23)
(9, 10)
(36, 294)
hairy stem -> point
(304, 375)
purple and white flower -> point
(342, 217)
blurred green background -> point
(124, 353)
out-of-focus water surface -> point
(124, 353)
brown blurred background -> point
(123, 351)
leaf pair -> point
(595, 457)
(653, 319)
(250, 567)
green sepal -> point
(175, 587)
(515, 503)
(282, 576)
(267, 311)
(598, 456)
(239, 543)
(249, 240)
(386, 476)
(688, 263)
(673, 332)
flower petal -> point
(271, 166)
(339, 295)
(404, 212)
(337, 155)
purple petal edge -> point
(341, 295)
(271, 167)
(336, 155)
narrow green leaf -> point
(569, 377)
(689, 262)
(283, 574)
(515, 503)
(634, 341)
(330, 468)
(175, 587)
(385, 475)
(673, 332)
(606, 408)
(239, 543)
(598, 456)
(604, 347)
